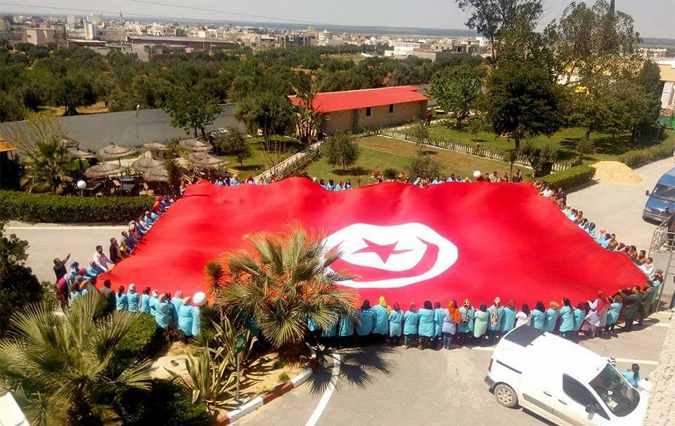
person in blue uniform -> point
(366, 322)
(552, 315)
(395, 325)
(579, 316)
(439, 314)
(509, 318)
(121, 298)
(496, 313)
(185, 318)
(163, 312)
(410, 323)
(566, 319)
(539, 316)
(426, 324)
(465, 326)
(133, 299)
(380, 323)
(346, 331)
(145, 300)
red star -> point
(383, 251)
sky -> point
(653, 18)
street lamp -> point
(81, 185)
(477, 174)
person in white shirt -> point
(523, 316)
(101, 259)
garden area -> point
(378, 153)
(262, 157)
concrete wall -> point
(357, 120)
(95, 131)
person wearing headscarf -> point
(133, 299)
(395, 324)
(329, 334)
(631, 301)
(426, 324)
(633, 375)
(524, 316)
(380, 323)
(163, 312)
(145, 300)
(593, 318)
(496, 312)
(366, 322)
(451, 319)
(646, 304)
(410, 324)
(185, 318)
(566, 319)
(552, 316)
(509, 318)
(613, 314)
(579, 316)
(198, 301)
(346, 330)
(121, 298)
(539, 316)
(439, 313)
(465, 326)
(480, 323)
(176, 301)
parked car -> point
(561, 381)
(661, 202)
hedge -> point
(143, 340)
(569, 178)
(647, 155)
(27, 207)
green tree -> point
(457, 91)
(283, 281)
(72, 91)
(492, 18)
(341, 149)
(192, 109)
(522, 99)
(234, 143)
(18, 286)
(418, 132)
(269, 112)
(424, 166)
(58, 367)
(476, 125)
(10, 108)
(309, 118)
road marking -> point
(331, 387)
(64, 228)
(636, 361)
(661, 324)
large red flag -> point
(449, 241)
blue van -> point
(661, 198)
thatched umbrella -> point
(156, 147)
(113, 151)
(84, 155)
(71, 143)
(196, 145)
(144, 163)
(103, 170)
(205, 161)
(156, 174)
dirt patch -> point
(615, 172)
(266, 373)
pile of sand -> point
(615, 172)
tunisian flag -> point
(449, 241)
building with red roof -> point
(355, 110)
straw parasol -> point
(196, 145)
(205, 161)
(70, 143)
(144, 163)
(156, 174)
(155, 146)
(114, 151)
(77, 152)
(103, 169)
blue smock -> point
(508, 320)
(185, 319)
(176, 302)
(410, 321)
(465, 326)
(163, 314)
(439, 314)
(426, 324)
(346, 326)
(630, 376)
(367, 320)
(579, 316)
(133, 300)
(481, 323)
(153, 304)
(395, 320)
(500, 315)
(566, 319)
(332, 331)
(380, 325)
(538, 319)
(312, 326)
(196, 321)
(613, 314)
(122, 304)
(551, 320)
(145, 303)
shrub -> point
(569, 178)
(424, 166)
(647, 155)
(390, 174)
(283, 378)
(166, 404)
(143, 340)
(27, 207)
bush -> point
(647, 155)
(166, 404)
(424, 166)
(569, 178)
(29, 207)
(390, 174)
(143, 340)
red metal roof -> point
(354, 99)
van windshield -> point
(664, 192)
(617, 394)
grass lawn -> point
(607, 146)
(262, 159)
(379, 153)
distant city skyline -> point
(653, 18)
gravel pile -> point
(615, 172)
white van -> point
(561, 381)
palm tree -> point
(283, 281)
(59, 368)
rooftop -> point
(355, 99)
